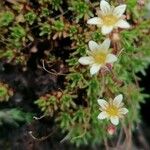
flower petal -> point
(111, 58)
(117, 100)
(119, 10)
(114, 120)
(105, 45)
(122, 24)
(95, 68)
(103, 115)
(123, 111)
(86, 60)
(104, 104)
(95, 20)
(106, 29)
(93, 45)
(105, 7)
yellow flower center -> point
(112, 110)
(99, 57)
(109, 20)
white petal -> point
(123, 111)
(105, 7)
(93, 45)
(114, 120)
(105, 45)
(103, 115)
(117, 100)
(111, 58)
(95, 20)
(104, 104)
(122, 24)
(119, 10)
(95, 68)
(106, 29)
(86, 60)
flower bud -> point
(111, 129)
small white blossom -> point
(98, 57)
(109, 17)
(112, 110)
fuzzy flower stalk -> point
(109, 17)
(99, 56)
(112, 110)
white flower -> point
(112, 110)
(98, 57)
(109, 17)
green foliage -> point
(75, 108)
(65, 121)
(81, 9)
(96, 36)
(58, 25)
(56, 4)
(14, 116)
(67, 102)
(48, 104)
(73, 31)
(5, 92)
(131, 4)
(8, 55)
(45, 29)
(6, 18)
(93, 90)
(45, 12)
(17, 32)
(30, 17)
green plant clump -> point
(5, 92)
(65, 29)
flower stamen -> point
(109, 20)
(112, 110)
(99, 57)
